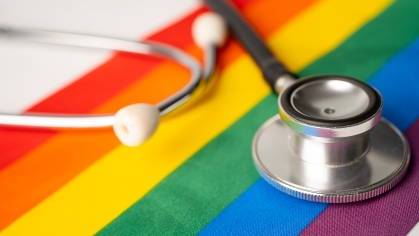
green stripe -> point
(197, 191)
(189, 198)
(362, 54)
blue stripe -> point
(398, 83)
(265, 210)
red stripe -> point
(240, 4)
(113, 76)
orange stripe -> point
(40, 173)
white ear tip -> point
(136, 123)
(209, 29)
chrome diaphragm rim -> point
(379, 170)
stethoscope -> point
(328, 143)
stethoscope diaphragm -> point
(329, 143)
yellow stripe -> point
(119, 179)
(321, 28)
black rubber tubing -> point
(271, 68)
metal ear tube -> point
(135, 123)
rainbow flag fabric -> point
(196, 175)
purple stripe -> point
(394, 213)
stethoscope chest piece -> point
(329, 143)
